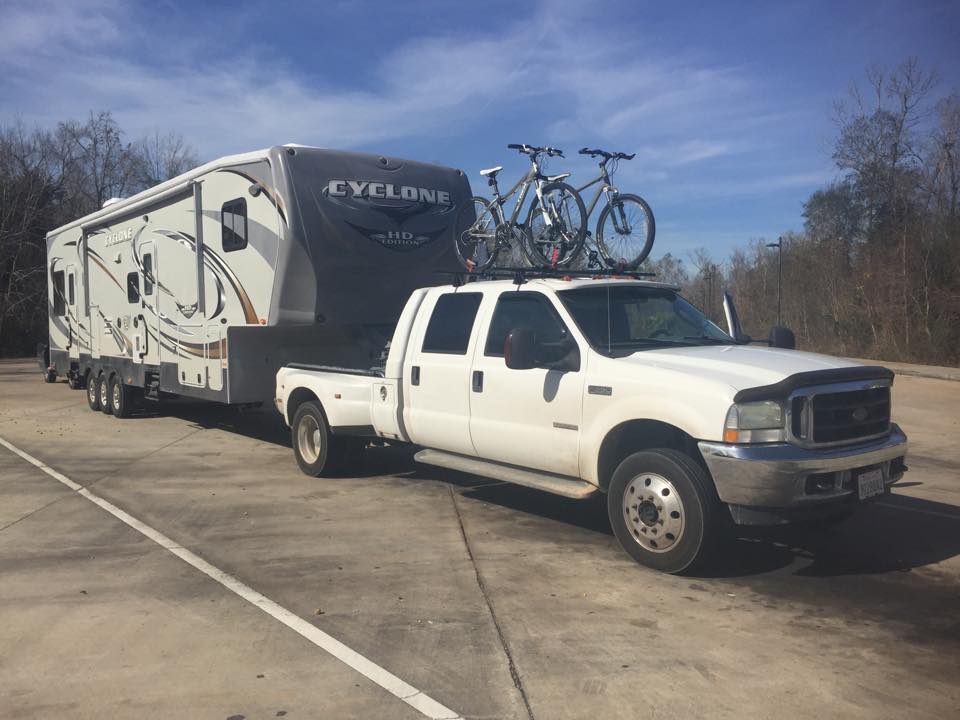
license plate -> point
(870, 483)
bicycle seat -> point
(561, 176)
(491, 172)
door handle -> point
(478, 380)
(415, 375)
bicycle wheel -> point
(475, 234)
(559, 241)
(625, 231)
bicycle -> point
(556, 225)
(633, 226)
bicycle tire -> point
(465, 223)
(636, 252)
(575, 246)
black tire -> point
(677, 523)
(319, 453)
(106, 403)
(76, 381)
(475, 234)
(626, 251)
(544, 243)
(93, 391)
(122, 398)
(49, 376)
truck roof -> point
(560, 283)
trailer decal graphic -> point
(271, 194)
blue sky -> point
(727, 105)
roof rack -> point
(522, 275)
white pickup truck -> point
(619, 386)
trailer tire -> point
(676, 523)
(49, 376)
(121, 398)
(93, 391)
(318, 452)
(103, 389)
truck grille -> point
(848, 416)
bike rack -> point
(522, 275)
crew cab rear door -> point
(436, 378)
(529, 418)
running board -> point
(556, 484)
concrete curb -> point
(936, 372)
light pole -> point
(779, 246)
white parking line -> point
(416, 699)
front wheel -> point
(664, 511)
(475, 234)
(625, 231)
(556, 227)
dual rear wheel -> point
(318, 451)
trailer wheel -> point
(106, 404)
(74, 380)
(49, 375)
(664, 511)
(121, 397)
(318, 452)
(93, 391)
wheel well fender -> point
(634, 435)
(299, 396)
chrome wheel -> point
(309, 439)
(104, 398)
(116, 394)
(654, 512)
(92, 390)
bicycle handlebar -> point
(534, 150)
(607, 155)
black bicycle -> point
(556, 223)
(626, 227)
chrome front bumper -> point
(776, 475)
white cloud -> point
(586, 85)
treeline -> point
(876, 271)
(51, 177)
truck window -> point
(233, 218)
(133, 287)
(59, 304)
(451, 323)
(148, 274)
(523, 310)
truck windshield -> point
(622, 319)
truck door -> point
(437, 377)
(529, 418)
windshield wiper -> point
(708, 339)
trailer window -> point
(233, 217)
(70, 296)
(451, 323)
(148, 274)
(59, 306)
(133, 287)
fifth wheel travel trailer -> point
(205, 285)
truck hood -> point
(739, 366)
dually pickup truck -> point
(618, 386)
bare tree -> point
(161, 157)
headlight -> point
(755, 422)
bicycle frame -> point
(606, 187)
(532, 177)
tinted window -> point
(133, 287)
(451, 323)
(233, 217)
(70, 296)
(523, 310)
(148, 274)
(59, 306)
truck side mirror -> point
(520, 349)
(782, 337)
